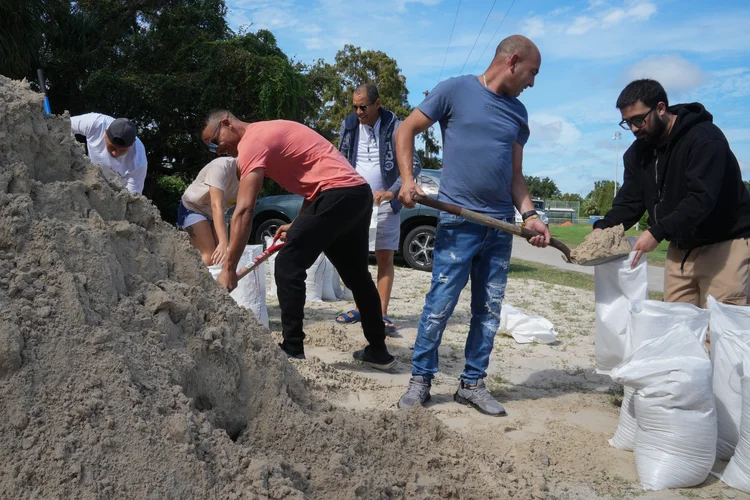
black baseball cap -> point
(122, 132)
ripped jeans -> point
(463, 249)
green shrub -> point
(166, 195)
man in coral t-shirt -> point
(335, 220)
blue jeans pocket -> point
(446, 219)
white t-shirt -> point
(368, 156)
(131, 166)
(220, 173)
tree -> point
(599, 200)
(747, 185)
(334, 84)
(20, 36)
(571, 197)
(542, 188)
(166, 65)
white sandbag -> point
(615, 285)
(373, 234)
(649, 319)
(737, 473)
(675, 441)
(730, 345)
(315, 280)
(322, 284)
(251, 290)
(526, 329)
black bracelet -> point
(528, 214)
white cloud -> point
(675, 73)
(533, 27)
(551, 130)
(642, 11)
(605, 18)
(581, 25)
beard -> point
(655, 131)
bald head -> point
(516, 44)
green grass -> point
(574, 235)
(548, 274)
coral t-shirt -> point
(302, 161)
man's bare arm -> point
(242, 220)
(416, 123)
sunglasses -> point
(212, 146)
(636, 121)
(362, 107)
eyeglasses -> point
(636, 121)
(362, 108)
(212, 146)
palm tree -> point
(21, 39)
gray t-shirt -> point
(479, 130)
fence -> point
(560, 211)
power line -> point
(449, 40)
(495, 34)
(477, 39)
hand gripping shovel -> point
(272, 249)
(490, 221)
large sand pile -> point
(126, 372)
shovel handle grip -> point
(490, 222)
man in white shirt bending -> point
(113, 145)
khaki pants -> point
(721, 270)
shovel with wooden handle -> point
(491, 222)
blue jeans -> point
(463, 249)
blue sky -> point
(699, 51)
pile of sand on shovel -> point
(600, 245)
(126, 372)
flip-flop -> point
(348, 318)
(390, 328)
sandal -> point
(390, 328)
(348, 318)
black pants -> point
(337, 224)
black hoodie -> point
(696, 195)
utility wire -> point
(449, 40)
(494, 35)
(478, 35)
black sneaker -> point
(299, 355)
(382, 362)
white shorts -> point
(194, 218)
(389, 228)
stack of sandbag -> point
(737, 473)
(526, 329)
(730, 352)
(615, 285)
(675, 437)
(251, 290)
(648, 320)
(323, 283)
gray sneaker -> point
(417, 392)
(480, 398)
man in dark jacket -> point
(681, 170)
(366, 140)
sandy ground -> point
(560, 412)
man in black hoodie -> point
(681, 170)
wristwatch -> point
(529, 214)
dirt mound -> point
(126, 372)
